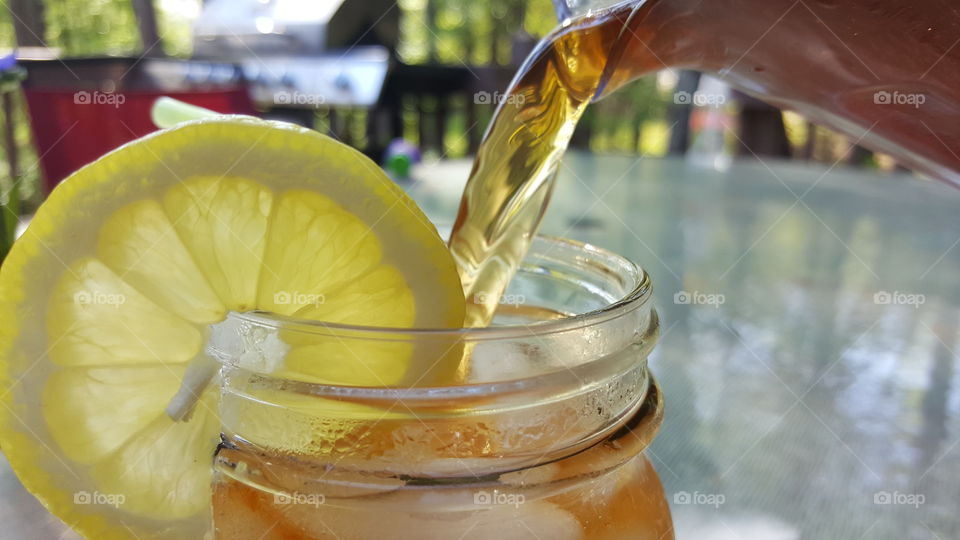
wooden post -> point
(496, 33)
(518, 12)
(9, 138)
(474, 131)
(147, 25)
(423, 127)
(9, 210)
(29, 25)
(761, 129)
(810, 144)
(440, 123)
(431, 22)
(678, 113)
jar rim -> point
(639, 291)
(638, 295)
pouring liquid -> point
(882, 72)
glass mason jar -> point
(542, 438)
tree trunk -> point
(431, 22)
(761, 129)
(516, 14)
(678, 113)
(147, 25)
(28, 22)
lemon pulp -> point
(112, 291)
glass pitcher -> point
(882, 72)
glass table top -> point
(809, 328)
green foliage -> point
(620, 120)
(540, 18)
(89, 27)
(480, 32)
(7, 40)
(16, 185)
(477, 32)
(77, 28)
(97, 27)
(175, 31)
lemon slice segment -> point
(223, 223)
(112, 291)
(88, 299)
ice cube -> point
(244, 344)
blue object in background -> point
(399, 157)
(8, 61)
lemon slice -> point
(112, 292)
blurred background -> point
(804, 398)
(368, 72)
